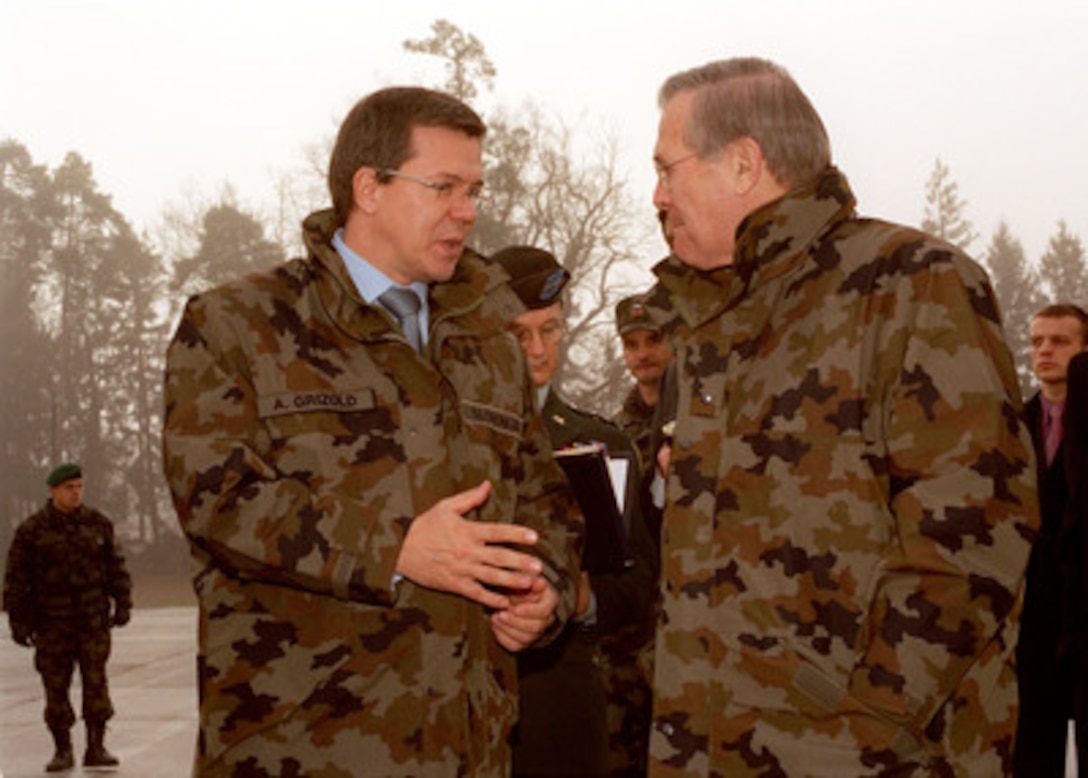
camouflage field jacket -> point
(302, 435)
(850, 506)
(65, 569)
(636, 418)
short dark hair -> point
(1061, 311)
(748, 97)
(378, 132)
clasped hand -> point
(445, 551)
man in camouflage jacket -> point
(850, 499)
(375, 530)
(65, 586)
(647, 355)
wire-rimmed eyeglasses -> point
(663, 169)
(446, 191)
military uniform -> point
(302, 435)
(636, 419)
(850, 504)
(636, 416)
(65, 578)
(585, 701)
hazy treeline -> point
(89, 305)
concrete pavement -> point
(152, 674)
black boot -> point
(62, 758)
(97, 755)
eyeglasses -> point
(550, 333)
(664, 168)
(447, 192)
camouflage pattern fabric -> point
(59, 649)
(850, 506)
(636, 418)
(65, 572)
(302, 435)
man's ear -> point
(365, 189)
(746, 164)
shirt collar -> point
(370, 282)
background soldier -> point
(65, 571)
(584, 701)
(647, 354)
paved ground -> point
(152, 675)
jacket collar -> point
(477, 287)
(770, 241)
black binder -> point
(587, 469)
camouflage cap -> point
(632, 314)
(64, 472)
(535, 275)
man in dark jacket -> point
(1057, 335)
(584, 700)
(1073, 648)
(66, 585)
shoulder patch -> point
(490, 416)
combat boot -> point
(62, 757)
(96, 754)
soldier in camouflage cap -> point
(374, 513)
(647, 354)
(851, 495)
(65, 587)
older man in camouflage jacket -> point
(850, 500)
(374, 513)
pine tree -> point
(1063, 270)
(1016, 287)
(230, 244)
(26, 351)
(944, 213)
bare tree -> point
(544, 192)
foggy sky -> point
(169, 100)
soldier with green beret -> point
(65, 587)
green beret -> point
(535, 275)
(65, 472)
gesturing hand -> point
(445, 551)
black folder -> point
(587, 469)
